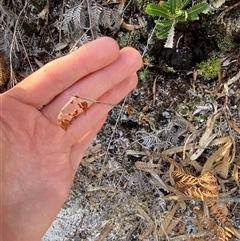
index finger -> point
(58, 75)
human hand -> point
(38, 158)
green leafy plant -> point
(209, 69)
(172, 12)
(143, 75)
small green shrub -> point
(143, 75)
(209, 69)
(171, 12)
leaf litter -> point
(174, 192)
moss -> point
(209, 69)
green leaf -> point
(179, 13)
(163, 34)
(173, 6)
(183, 4)
(178, 3)
(185, 15)
(196, 9)
(164, 4)
(194, 17)
(156, 10)
(163, 24)
(170, 38)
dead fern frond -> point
(95, 11)
(74, 18)
(209, 182)
(219, 211)
(82, 22)
(183, 180)
(215, 232)
(200, 187)
(148, 140)
(6, 17)
(6, 24)
(176, 128)
(85, 38)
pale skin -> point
(38, 158)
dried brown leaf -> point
(223, 153)
(170, 160)
(173, 224)
(39, 63)
(147, 232)
(207, 136)
(127, 26)
(167, 220)
(234, 126)
(154, 90)
(236, 174)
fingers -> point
(56, 76)
(85, 123)
(96, 84)
(81, 146)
